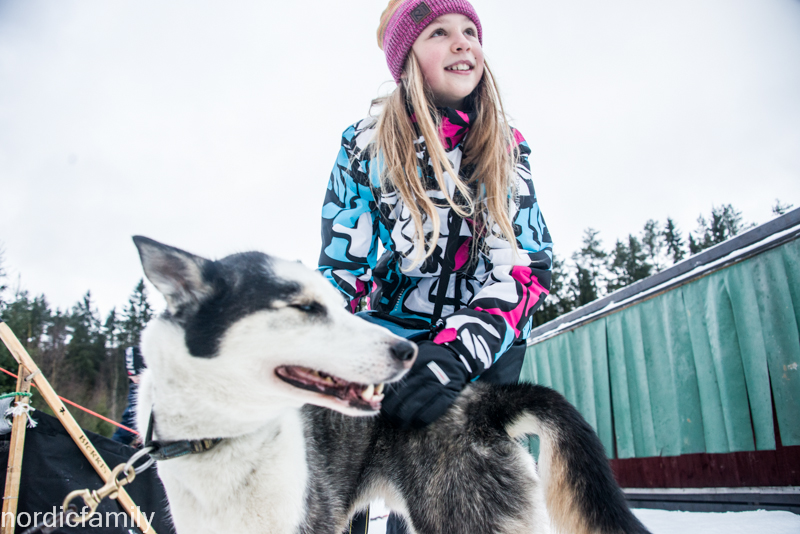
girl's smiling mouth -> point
(461, 66)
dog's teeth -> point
(379, 389)
(367, 394)
(328, 380)
(377, 398)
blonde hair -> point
(489, 146)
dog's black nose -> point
(404, 351)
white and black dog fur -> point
(261, 353)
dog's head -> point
(270, 332)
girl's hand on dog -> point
(429, 388)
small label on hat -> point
(420, 12)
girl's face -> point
(451, 59)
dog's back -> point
(466, 473)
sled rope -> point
(76, 405)
(23, 409)
(17, 394)
(20, 408)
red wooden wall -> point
(780, 467)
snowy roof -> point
(751, 243)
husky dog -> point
(257, 366)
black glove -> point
(429, 388)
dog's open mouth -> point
(359, 396)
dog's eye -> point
(312, 308)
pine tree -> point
(584, 287)
(54, 345)
(590, 277)
(558, 287)
(725, 222)
(779, 208)
(115, 356)
(557, 302)
(628, 263)
(673, 241)
(111, 329)
(28, 318)
(704, 235)
(694, 246)
(653, 244)
(135, 316)
(637, 268)
(619, 259)
(86, 348)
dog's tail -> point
(582, 495)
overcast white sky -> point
(213, 126)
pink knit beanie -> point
(404, 20)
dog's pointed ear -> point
(177, 274)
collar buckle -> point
(166, 450)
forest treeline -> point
(82, 354)
(594, 271)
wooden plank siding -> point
(701, 380)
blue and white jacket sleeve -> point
(349, 223)
(516, 283)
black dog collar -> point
(166, 450)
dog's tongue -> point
(356, 395)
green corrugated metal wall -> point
(691, 370)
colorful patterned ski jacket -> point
(486, 304)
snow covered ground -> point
(665, 522)
(758, 522)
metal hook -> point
(93, 498)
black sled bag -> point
(53, 466)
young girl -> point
(442, 182)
